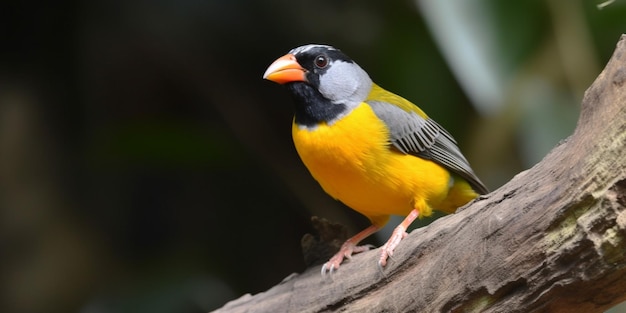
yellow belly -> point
(352, 161)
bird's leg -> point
(348, 248)
(398, 234)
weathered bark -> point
(553, 239)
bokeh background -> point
(145, 166)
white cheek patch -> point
(345, 82)
(337, 82)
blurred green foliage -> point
(145, 166)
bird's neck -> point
(312, 108)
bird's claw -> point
(345, 252)
(328, 268)
(387, 249)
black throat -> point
(311, 106)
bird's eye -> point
(321, 61)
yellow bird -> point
(373, 150)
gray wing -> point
(423, 137)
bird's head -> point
(324, 68)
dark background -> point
(145, 166)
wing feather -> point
(412, 133)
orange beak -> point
(284, 70)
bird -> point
(369, 148)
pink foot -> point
(387, 250)
(398, 234)
(346, 251)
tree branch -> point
(553, 239)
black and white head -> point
(326, 84)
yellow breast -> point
(353, 162)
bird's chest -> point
(347, 154)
